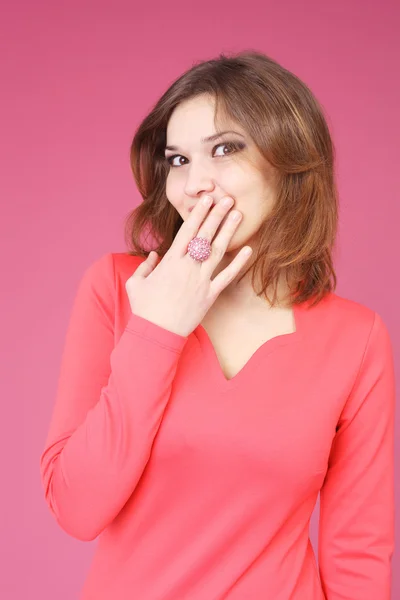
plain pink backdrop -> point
(76, 79)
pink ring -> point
(199, 249)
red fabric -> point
(202, 488)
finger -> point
(227, 275)
(216, 219)
(189, 229)
(221, 242)
(147, 266)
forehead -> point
(194, 119)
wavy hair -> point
(288, 126)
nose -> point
(199, 181)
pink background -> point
(77, 77)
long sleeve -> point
(356, 532)
(109, 404)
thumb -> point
(147, 266)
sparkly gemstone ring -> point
(199, 249)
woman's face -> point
(228, 165)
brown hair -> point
(288, 126)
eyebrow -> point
(207, 140)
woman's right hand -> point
(176, 292)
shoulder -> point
(102, 288)
(353, 320)
(125, 265)
(111, 268)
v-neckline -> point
(214, 368)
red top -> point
(202, 488)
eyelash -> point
(235, 145)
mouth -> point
(192, 207)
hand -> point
(176, 292)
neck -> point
(241, 293)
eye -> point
(233, 146)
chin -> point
(235, 245)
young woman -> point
(207, 395)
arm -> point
(109, 405)
(356, 534)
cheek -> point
(233, 180)
(242, 182)
(168, 186)
(172, 191)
